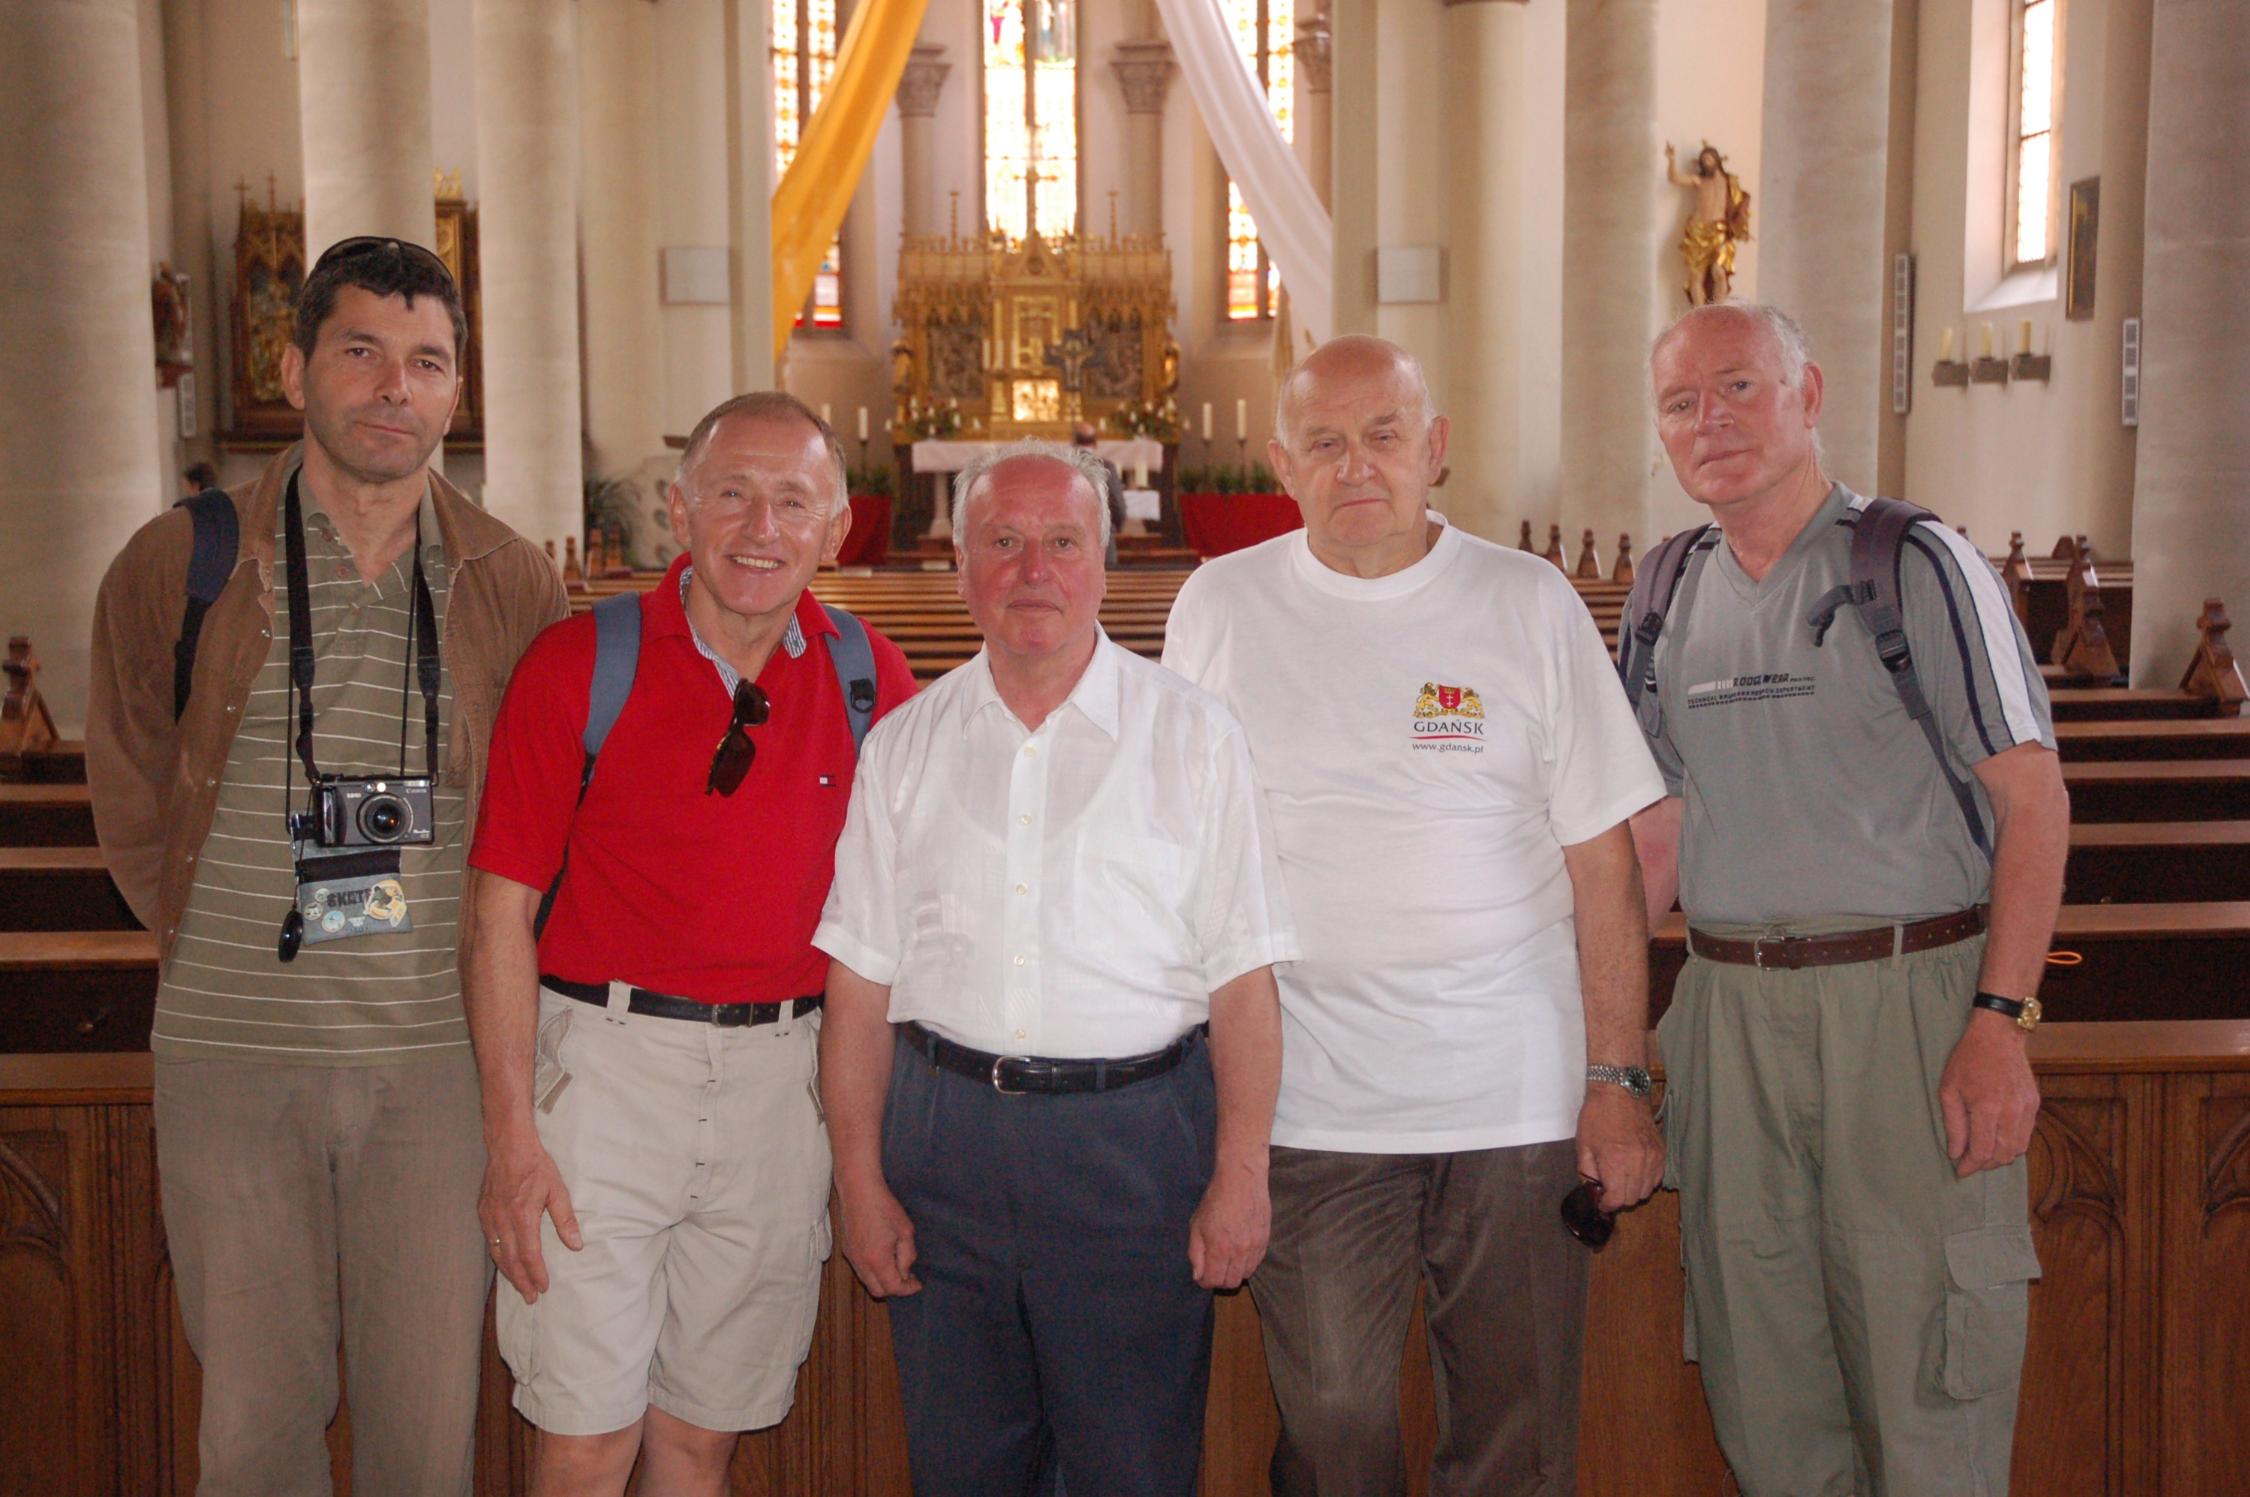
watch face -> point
(2031, 1015)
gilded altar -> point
(1024, 339)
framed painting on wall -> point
(2085, 230)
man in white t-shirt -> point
(1450, 764)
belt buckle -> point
(1000, 1086)
(1758, 946)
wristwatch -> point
(2025, 1011)
(1634, 1079)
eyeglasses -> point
(1582, 1214)
(369, 244)
(736, 751)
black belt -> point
(1034, 1073)
(665, 1006)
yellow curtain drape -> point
(808, 206)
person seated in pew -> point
(1052, 1038)
(640, 981)
(1848, 1098)
(1451, 765)
(316, 1105)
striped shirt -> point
(370, 999)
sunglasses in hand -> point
(736, 751)
(1583, 1215)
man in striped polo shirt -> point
(316, 1100)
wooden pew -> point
(45, 816)
(2139, 1166)
(76, 990)
(2168, 861)
(59, 888)
(2085, 742)
(2168, 790)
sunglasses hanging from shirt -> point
(346, 841)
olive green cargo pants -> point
(1858, 1312)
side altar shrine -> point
(1002, 340)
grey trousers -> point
(1505, 1305)
(1858, 1312)
(303, 1203)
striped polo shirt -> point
(371, 999)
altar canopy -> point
(808, 206)
(1296, 230)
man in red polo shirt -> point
(657, 1189)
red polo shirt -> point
(702, 896)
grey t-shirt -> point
(1810, 793)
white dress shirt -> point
(1075, 891)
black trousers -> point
(1059, 1329)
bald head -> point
(1352, 362)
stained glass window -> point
(804, 58)
(1030, 117)
(1263, 32)
(2032, 169)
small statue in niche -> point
(175, 348)
(1718, 222)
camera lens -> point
(383, 818)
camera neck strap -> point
(421, 635)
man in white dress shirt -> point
(1450, 764)
(1053, 1037)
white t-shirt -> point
(1428, 742)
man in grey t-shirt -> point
(1849, 1096)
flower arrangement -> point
(1229, 478)
(874, 478)
(1159, 421)
(935, 420)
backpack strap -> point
(854, 659)
(218, 541)
(1646, 608)
(1878, 547)
(617, 660)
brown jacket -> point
(155, 782)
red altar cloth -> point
(1219, 523)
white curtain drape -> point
(1293, 225)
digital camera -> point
(394, 811)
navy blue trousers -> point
(1059, 1327)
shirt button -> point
(1031, 751)
(1020, 958)
(230, 706)
(1025, 818)
(343, 570)
(1019, 1034)
(1023, 888)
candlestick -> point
(1207, 427)
(863, 424)
(1945, 345)
(2023, 336)
(1242, 422)
(1984, 340)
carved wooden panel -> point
(2205, 1361)
(55, 1298)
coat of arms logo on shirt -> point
(1448, 717)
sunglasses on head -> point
(1583, 1216)
(361, 246)
(732, 760)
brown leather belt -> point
(1788, 953)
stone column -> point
(363, 86)
(918, 89)
(750, 185)
(617, 235)
(1481, 76)
(1611, 163)
(1821, 214)
(1315, 54)
(78, 448)
(187, 109)
(527, 163)
(1144, 73)
(2191, 502)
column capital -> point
(1315, 52)
(921, 80)
(1144, 71)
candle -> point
(863, 423)
(1140, 474)
(1984, 340)
(2023, 337)
(1242, 420)
(1945, 345)
(1206, 420)
(825, 418)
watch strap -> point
(2011, 1008)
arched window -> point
(804, 57)
(1262, 32)
(1030, 117)
(2033, 162)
